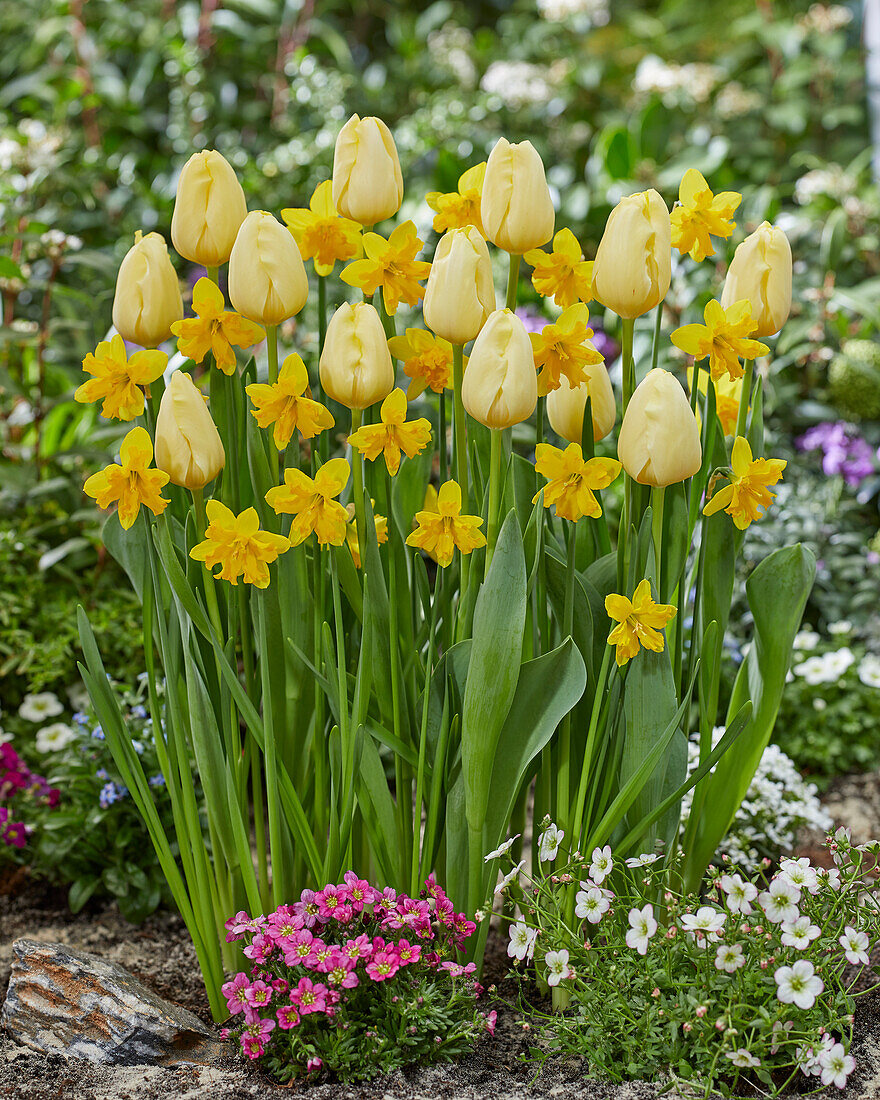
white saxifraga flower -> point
(509, 877)
(855, 946)
(835, 1066)
(557, 966)
(743, 1058)
(592, 904)
(642, 927)
(798, 984)
(800, 873)
(54, 737)
(522, 941)
(869, 670)
(800, 933)
(548, 843)
(740, 894)
(780, 901)
(43, 704)
(704, 925)
(729, 957)
(601, 864)
(644, 860)
(502, 850)
(807, 1056)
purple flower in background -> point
(531, 319)
(844, 451)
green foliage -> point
(854, 378)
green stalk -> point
(423, 737)
(655, 347)
(272, 806)
(213, 274)
(494, 496)
(323, 447)
(627, 365)
(590, 748)
(444, 458)
(460, 441)
(512, 281)
(563, 776)
(658, 496)
(272, 351)
(198, 496)
(403, 787)
(745, 396)
(357, 468)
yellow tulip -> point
(267, 280)
(356, 368)
(367, 181)
(566, 405)
(516, 208)
(760, 272)
(659, 442)
(460, 293)
(208, 210)
(634, 261)
(500, 387)
(147, 300)
(188, 446)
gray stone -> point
(68, 1002)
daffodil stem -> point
(589, 749)
(461, 467)
(272, 805)
(563, 775)
(357, 469)
(198, 496)
(627, 365)
(386, 318)
(495, 455)
(512, 281)
(655, 346)
(745, 396)
(423, 737)
(658, 498)
(444, 462)
(213, 274)
(322, 312)
(272, 351)
(402, 784)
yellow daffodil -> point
(571, 481)
(724, 338)
(130, 483)
(727, 396)
(748, 491)
(440, 533)
(393, 435)
(118, 379)
(238, 546)
(312, 502)
(462, 207)
(427, 361)
(701, 215)
(214, 328)
(431, 504)
(564, 348)
(322, 234)
(391, 264)
(563, 272)
(284, 404)
(639, 622)
(351, 534)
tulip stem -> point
(357, 468)
(444, 458)
(513, 281)
(627, 364)
(213, 274)
(461, 467)
(563, 775)
(655, 347)
(198, 496)
(272, 349)
(322, 312)
(580, 801)
(494, 495)
(658, 497)
(745, 396)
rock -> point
(68, 1002)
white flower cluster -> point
(825, 18)
(557, 11)
(733, 100)
(778, 803)
(450, 48)
(831, 180)
(671, 81)
(518, 83)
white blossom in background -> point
(734, 100)
(519, 83)
(557, 11)
(830, 180)
(39, 705)
(805, 640)
(450, 48)
(825, 668)
(825, 18)
(869, 670)
(54, 737)
(672, 82)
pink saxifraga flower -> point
(309, 996)
(235, 992)
(383, 965)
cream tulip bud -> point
(147, 300)
(500, 385)
(208, 210)
(267, 280)
(356, 368)
(634, 259)
(516, 209)
(566, 405)
(367, 181)
(460, 293)
(188, 446)
(659, 442)
(761, 272)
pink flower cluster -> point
(17, 780)
(343, 936)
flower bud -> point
(516, 208)
(188, 446)
(659, 442)
(460, 293)
(367, 181)
(634, 260)
(147, 300)
(761, 272)
(267, 280)
(356, 368)
(566, 405)
(500, 386)
(208, 210)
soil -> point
(160, 954)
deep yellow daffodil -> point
(701, 215)
(440, 533)
(462, 207)
(284, 404)
(427, 361)
(393, 434)
(724, 338)
(391, 264)
(747, 493)
(571, 481)
(214, 328)
(351, 534)
(130, 483)
(564, 348)
(118, 379)
(563, 272)
(322, 234)
(238, 546)
(639, 622)
(312, 502)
